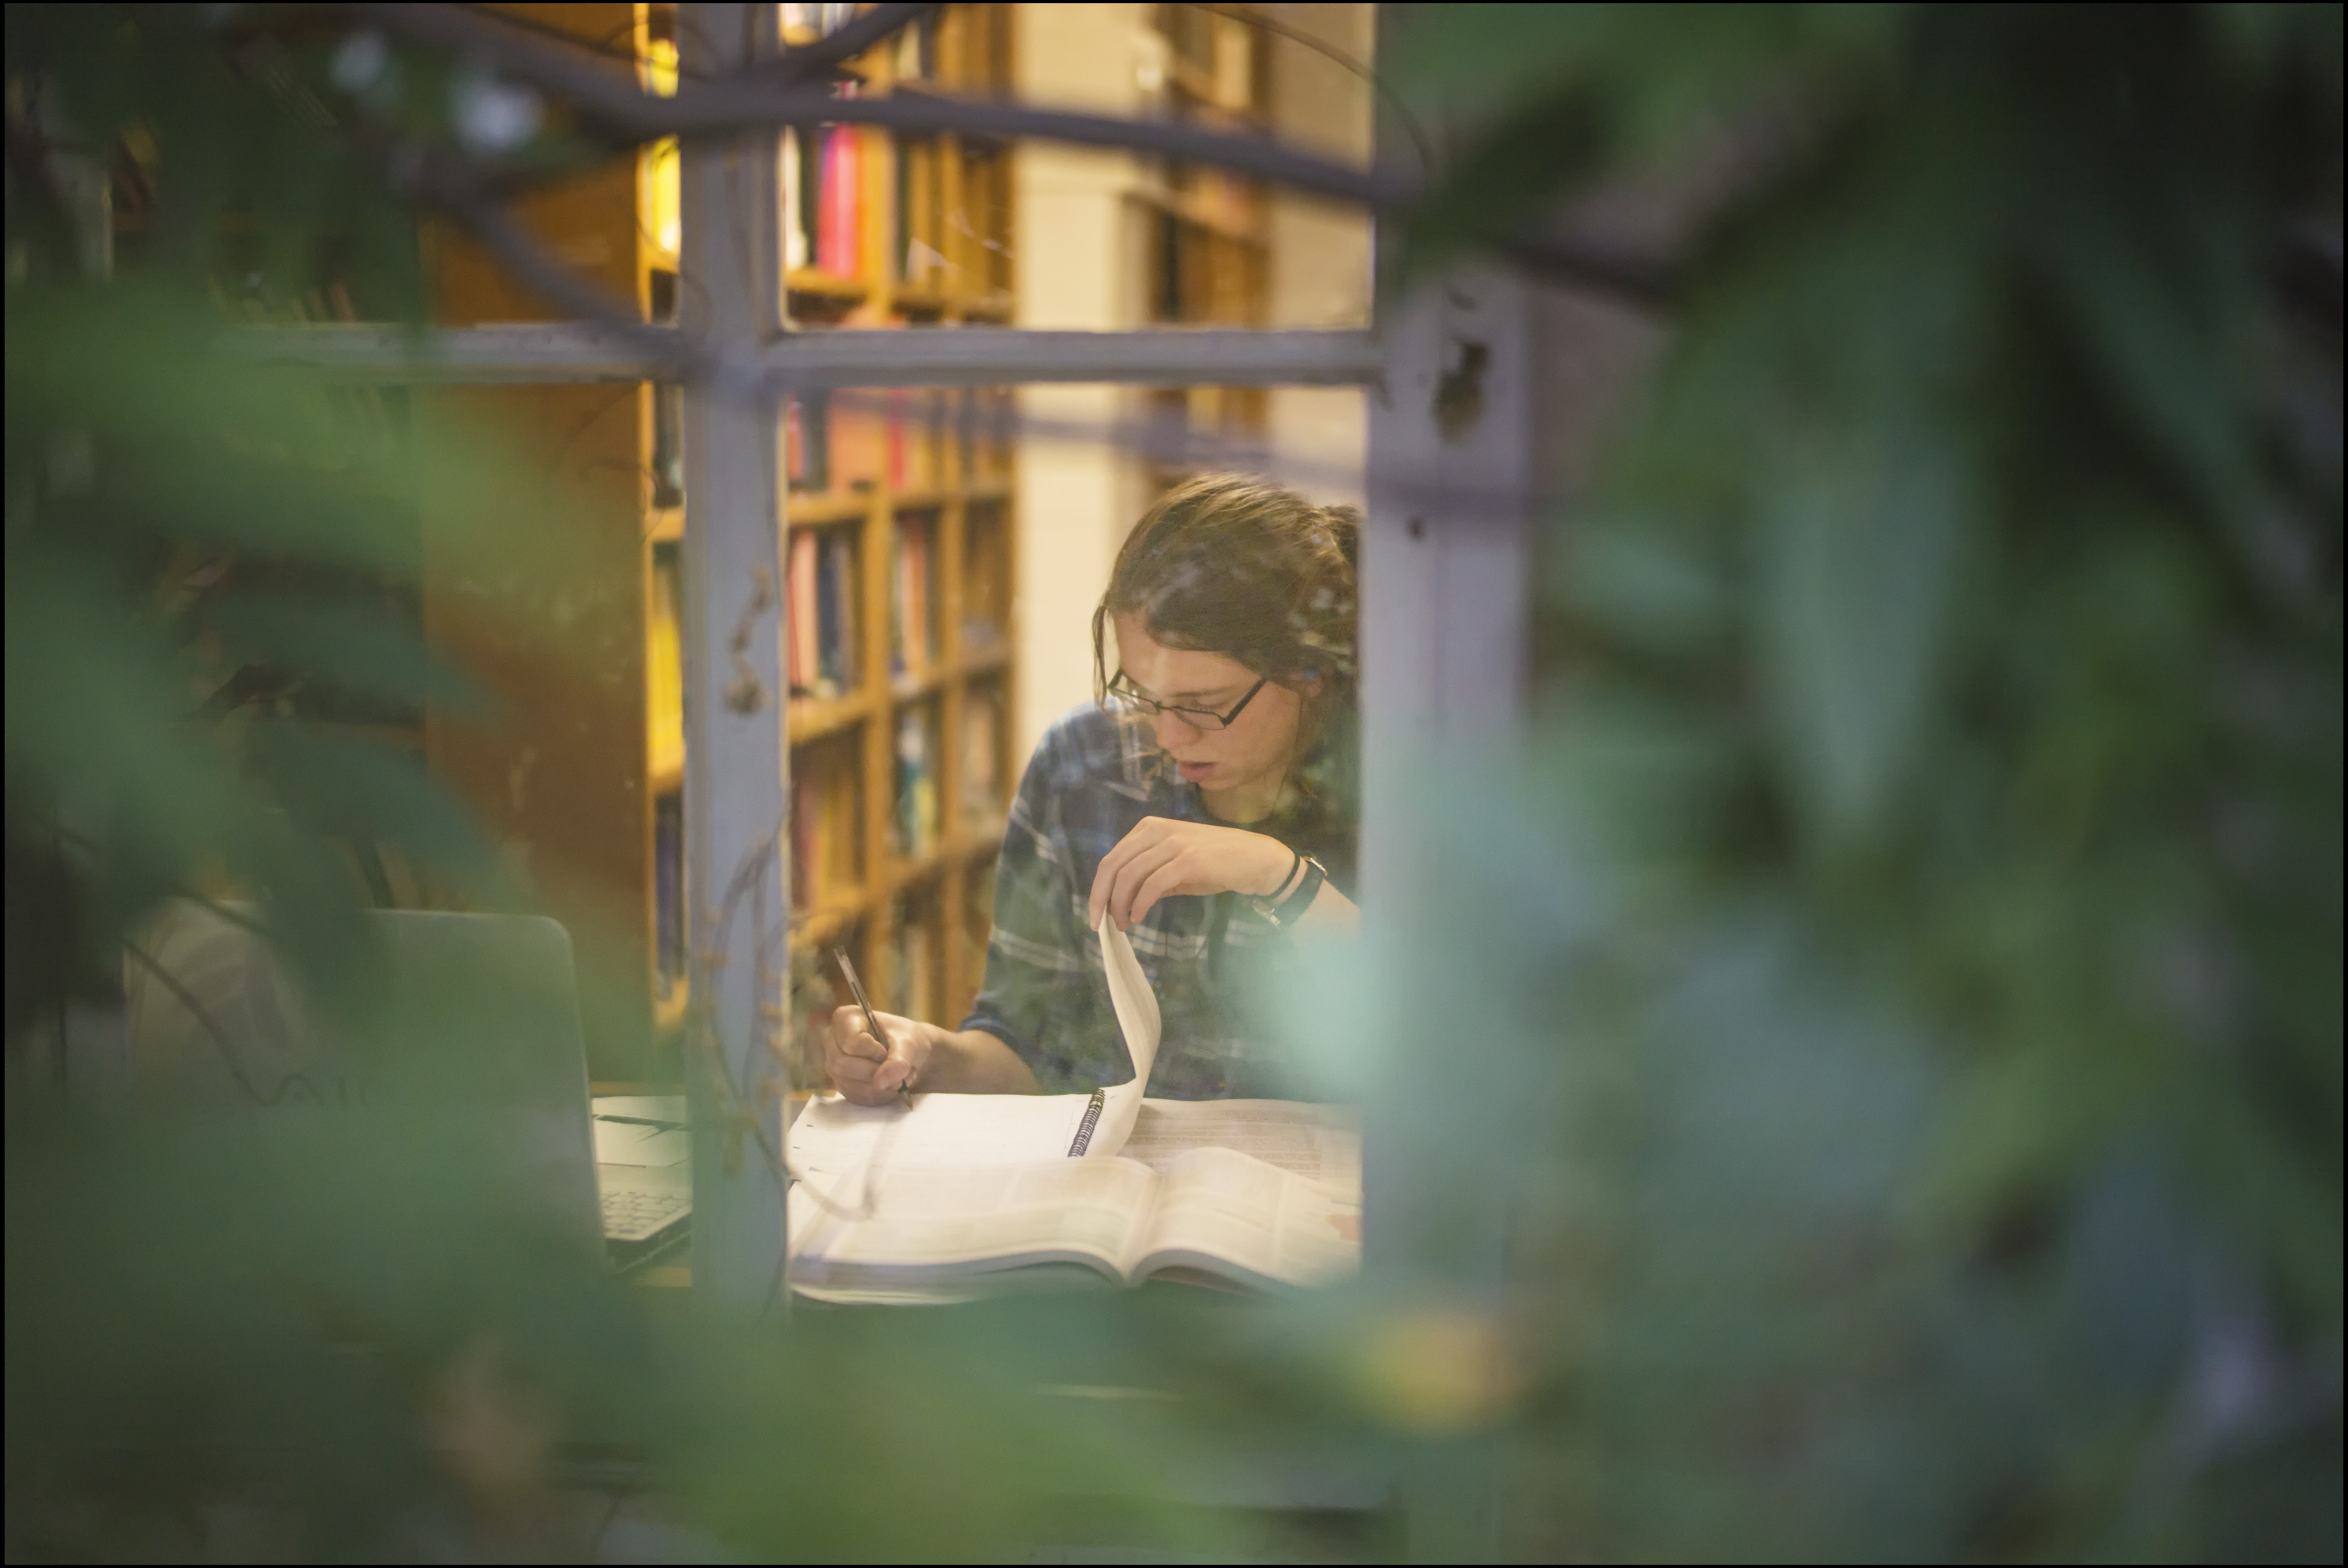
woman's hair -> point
(1232, 565)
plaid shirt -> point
(1092, 778)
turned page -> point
(921, 1217)
(1137, 1018)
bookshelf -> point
(899, 550)
(900, 555)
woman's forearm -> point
(1331, 911)
(972, 1062)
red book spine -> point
(837, 246)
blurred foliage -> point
(1894, 993)
(1924, 875)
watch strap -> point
(1291, 906)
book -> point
(663, 672)
(980, 801)
(839, 246)
(916, 992)
(899, 459)
(857, 441)
(831, 605)
(668, 892)
(803, 845)
(957, 1195)
(911, 645)
(820, 649)
(917, 788)
(806, 441)
(808, 151)
(915, 422)
(805, 663)
(791, 171)
(823, 833)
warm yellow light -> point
(667, 195)
(660, 66)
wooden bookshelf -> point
(911, 896)
(584, 782)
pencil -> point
(856, 989)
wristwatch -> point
(1284, 910)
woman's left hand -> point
(1162, 856)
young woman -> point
(1205, 802)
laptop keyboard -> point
(642, 1215)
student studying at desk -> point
(1166, 843)
(1206, 804)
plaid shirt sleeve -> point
(1044, 986)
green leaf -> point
(1863, 551)
(349, 646)
(346, 787)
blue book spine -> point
(831, 671)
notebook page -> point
(834, 1138)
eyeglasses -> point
(1197, 718)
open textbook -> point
(957, 1194)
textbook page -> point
(1137, 1018)
(931, 1222)
(1224, 1212)
(1320, 1142)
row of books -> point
(825, 835)
(821, 581)
(825, 829)
(855, 440)
(821, 653)
(911, 595)
(822, 200)
(916, 822)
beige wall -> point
(1077, 268)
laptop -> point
(485, 1011)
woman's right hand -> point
(869, 1072)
